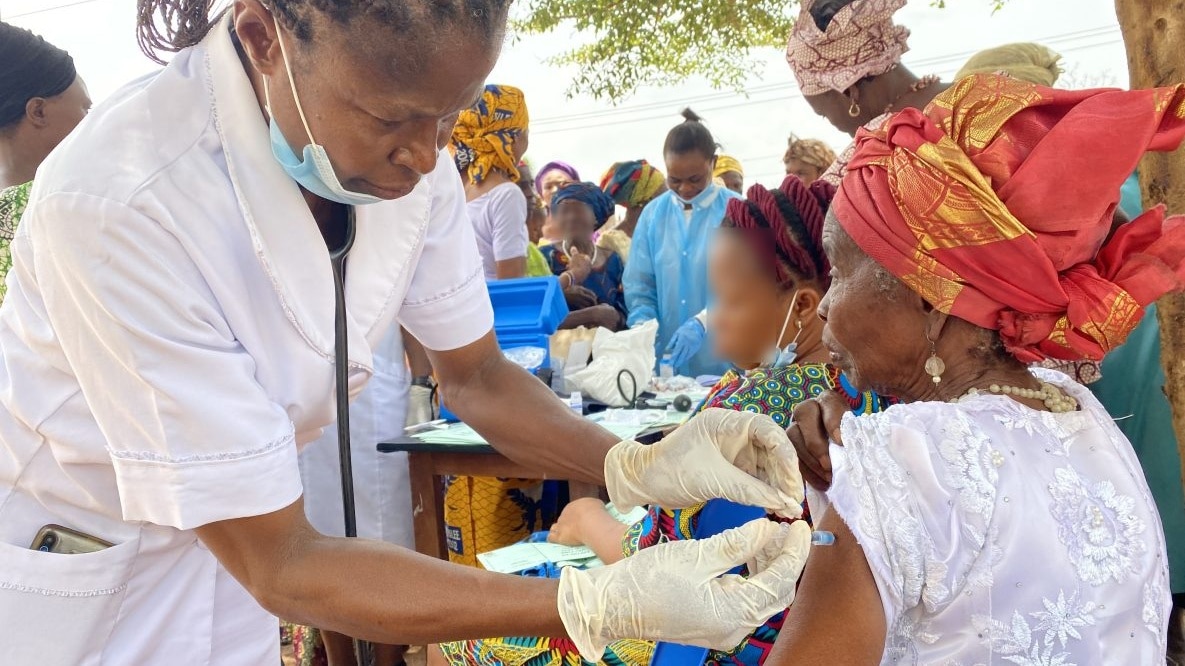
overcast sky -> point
(592, 134)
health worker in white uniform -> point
(167, 347)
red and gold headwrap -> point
(995, 204)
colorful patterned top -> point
(605, 283)
(772, 391)
(12, 205)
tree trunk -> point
(1154, 32)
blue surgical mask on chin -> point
(313, 171)
(708, 191)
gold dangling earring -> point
(854, 109)
(935, 366)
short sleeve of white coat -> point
(193, 436)
(910, 487)
(447, 305)
(508, 212)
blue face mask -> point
(313, 171)
(708, 191)
(780, 357)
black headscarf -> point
(29, 67)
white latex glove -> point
(675, 591)
(739, 456)
(419, 406)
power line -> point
(783, 88)
(1054, 40)
(43, 10)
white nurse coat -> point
(382, 483)
(167, 345)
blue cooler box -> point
(527, 311)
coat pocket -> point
(60, 609)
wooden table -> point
(429, 462)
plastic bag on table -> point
(631, 352)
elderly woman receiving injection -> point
(998, 515)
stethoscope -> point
(364, 652)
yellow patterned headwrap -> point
(724, 164)
(484, 137)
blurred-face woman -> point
(551, 178)
(999, 513)
(591, 275)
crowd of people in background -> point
(846, 57)
(767, 288)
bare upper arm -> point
(255, 549)
(458, 367)
(837, 616)
(507, 269)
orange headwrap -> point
(995, 202)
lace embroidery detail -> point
(1154, 603)
(1098, 527)
(1062, 618)
(1044, 645)
(982, 572)
(1022, 422)
(46, 592)
(924, 485)
(1020, 643)
(905, 635)
(153, 456)
(970, 468)
(880, 485)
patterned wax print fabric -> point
(998, 534)
(957, 202)
(772, 391)
(484, 136)
(12, 205)
(484, 513)
(633, 184)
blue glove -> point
(686, 342)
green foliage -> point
(660, 41)
(645, 42)
(996, 4)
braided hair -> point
(173, 25)
(792, 218)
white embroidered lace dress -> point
(999, 534)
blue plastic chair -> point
(717, 516)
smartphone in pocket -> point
(58, 539)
